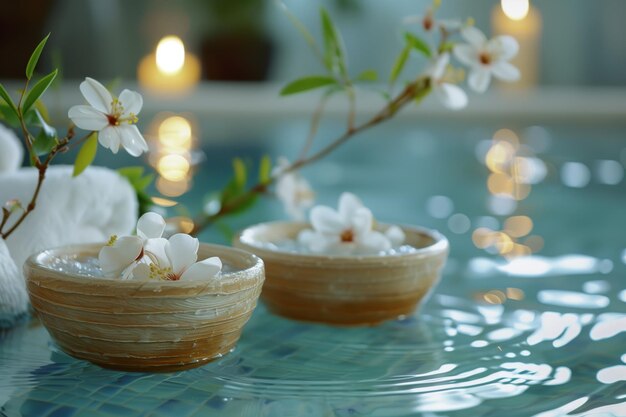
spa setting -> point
(323, 208)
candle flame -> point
(515, 9)
(170, 55)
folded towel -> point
(12, 153)
(89, 208)
(13, 298)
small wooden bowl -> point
(345, 290)
(144, 326)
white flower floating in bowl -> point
(348, 230)
(145, 303)
(344, 269)
(149, 256)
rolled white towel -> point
(13, 298)
(89, 208)
(11, 151)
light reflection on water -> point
(552, 345)
(457, 355)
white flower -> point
(150, 226)
(430, 24)
(149, 256)
(349, 230)
(174, 260)
(450, 95)
(118, 256)
(113, 118)
(293, 191)
(487, 57)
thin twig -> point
(407, 95)
(315, 122)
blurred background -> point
(508, 175)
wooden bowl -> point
(345, 290)
(154, 326)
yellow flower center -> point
(112, 240)
(117, 110)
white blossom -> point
(487, 57)
(112, 117)
(348, 230)
(175, 259)
(449, 94)
(293, 191)
(150, 256)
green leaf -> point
(368, 75)
(34, 58)
(398, 66)
(417, 44)
(240, 173)
(265, 169)
(306, 84)
(86, 155)
(8, 116)
(47, 137)
(333, 51)
(33, 95)
(7, 98)
(310, 40)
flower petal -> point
(326, 220)
(478, 80)
(450, 24)
(119, 256)
(88, 118)
(474, 36)
(182, 251)
(409, 20)
(452, 96)
(132, 140)
(322, 243)
(154, 249)
(438, 68)
(373, 242)
(203, 270)
(96, 95)
(362, 221)
(150, 226)
(395, 235)
(109, 138)
(505, 71)
(349, 204)
(466, 54)
(132, 102)
(504, 47)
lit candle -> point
(170, 69)
(522, 21)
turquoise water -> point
(541, 335)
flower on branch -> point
(430, 24)
(487, 57)
(293, 191)
(112, 117)
(348, 230)
(442, 79)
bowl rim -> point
(439, 245)
(251, 273)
